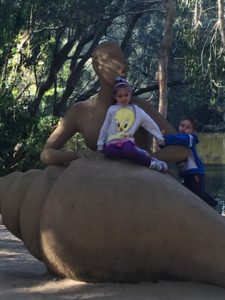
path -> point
(24, 277)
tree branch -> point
(155, 87)
(129, 32)
(76, 68)
(58, 60)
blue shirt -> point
(193, 164)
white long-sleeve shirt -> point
(121, 123)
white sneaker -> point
(158, 165)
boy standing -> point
(192, 170)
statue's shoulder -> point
(74, 111)
(79, 107)
(140, 101)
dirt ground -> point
(24, 277)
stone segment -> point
(14, 199)
(5, 183)
(32, 206)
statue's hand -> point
(51, 156)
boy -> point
(192, 170)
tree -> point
(165, 51)
(221, 23)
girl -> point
(116, 138)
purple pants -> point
(128, 150)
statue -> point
(104, 220)
(87, 117)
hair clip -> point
(118, 78)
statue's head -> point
(109, 62)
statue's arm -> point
(155, 115)
(171, 153)
(52, 152)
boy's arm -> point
(182, 139)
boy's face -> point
(186, 126)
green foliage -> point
(22, 137)
(200, 62)
(34, 144)
(76, 143)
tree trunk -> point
(163, 61)
(221, 21)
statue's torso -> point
(92, 117)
